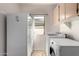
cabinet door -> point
(56, 16)
(70, 9)
(56, 19)
(62, 12)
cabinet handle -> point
(17, 18)
(58, 13)
(77, 9)
(65, 11)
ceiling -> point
(37, 7)
(33, 4)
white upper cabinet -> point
(62, 12)
(67, 10)
(71, 9)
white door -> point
(16, 35)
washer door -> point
(52, 53)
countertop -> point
(64, 42)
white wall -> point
(32, 8)
(4, 9)
(41, 9)
(75, 29)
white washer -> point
(64, 42)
